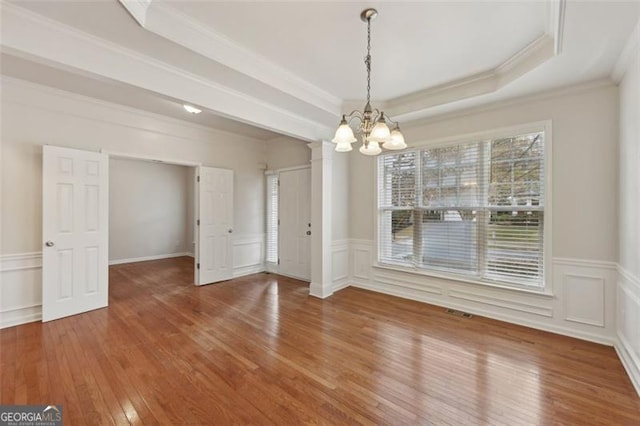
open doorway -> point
(288, 222)
(155, 216)
(151, 210)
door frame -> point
(192, 164)
(275, 267)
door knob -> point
(308, 232)
(230, 231)
(49, 244)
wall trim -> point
(20, 261)
(19, 316)
(626, 56)
(502, 303)
(148, 258)
(630, 362)
(552, 328)
(600, 264)
(512, 102)
(247, 270)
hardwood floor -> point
(259, 350)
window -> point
(271, 254)
(474, 209)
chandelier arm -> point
(392, 121)
(354, 114)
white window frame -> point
(540, 126)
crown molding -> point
(170, 23)
(534, 54)
(24, 32)
(630, 49)
(543, 48)
(137, 9)
(555, 25)
(515, 101)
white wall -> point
(283, 152)
(34, 115)
(584, 215)
(148, 210)
(339, 220)
(628, 329)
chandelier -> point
(373, 128)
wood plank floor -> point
(259, 350)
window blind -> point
(271, 254)
(475, 209)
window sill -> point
(458, 278)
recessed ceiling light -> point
(192, 109)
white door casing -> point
(214, 236)
(295, 223)
(75, 229)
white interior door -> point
(295, 223)
(75, 230)
(215, 211)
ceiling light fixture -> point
(192, 109)
(373, 122)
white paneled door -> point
(295, 223)
(215, 229)
(75, 226)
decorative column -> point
(321, 211)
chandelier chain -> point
(367, 60)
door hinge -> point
(278, 182)
(278, 222)
(278, 261)
(198, 266)
(198, 222)
(198, 178)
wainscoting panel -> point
(361, 260)
(248, 255)
(628, 324)
(581, 302)
(340, 264)
(583, 299)
(21, 278)
(20, 289)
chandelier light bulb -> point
(344, 133)
(380, 132)
(396, 141)
(343, 147)
(373, 148)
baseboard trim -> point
(248, 270)
(603, 340)
(340, 285)
(148, 258)
(631, 365)
(14, 317)
(320, 291)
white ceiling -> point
(415, 45)
(301, 61)
(112, 91)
